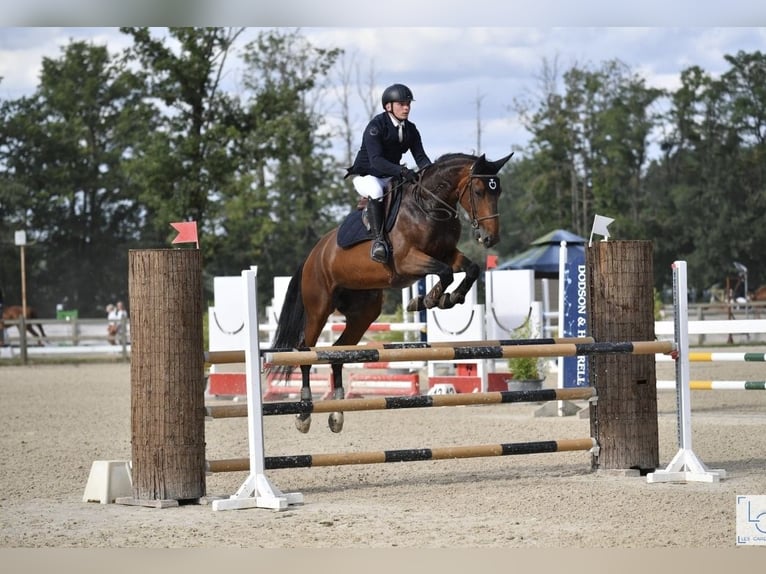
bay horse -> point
(15, 312)
(423, 239)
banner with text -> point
(576, 371)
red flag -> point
(491, 262)
(187, 232)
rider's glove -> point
(408, 175)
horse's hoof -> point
(446, 302)
(335, 422)
(416, 304)
(303, 422)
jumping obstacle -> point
(405, 455)
(258, 491)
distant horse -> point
(15, 312)
(423, 238)
(759, 294)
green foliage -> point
(526, 368)
(657, 305)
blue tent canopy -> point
(543, 254)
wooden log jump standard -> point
(406, 455)
(364, 355)
(621, 306)
(166, 376)
(404, 402)
(226, 357)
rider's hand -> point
(408, 175)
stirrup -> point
(379, 251)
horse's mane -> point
(446, 158)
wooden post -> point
(167, 377)
(621, 308)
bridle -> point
(492, 185)
(452, 212)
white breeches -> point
(370, 186)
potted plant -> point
(527, 373)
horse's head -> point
(479, 193)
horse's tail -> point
(292, 322)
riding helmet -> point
(397, 93)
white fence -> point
(88, 336)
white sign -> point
(751, 520)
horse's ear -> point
(481, 166)
(498, 164)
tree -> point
(588, 151)
(713, 172)
(62, 152)
(289, 188)
(186, 162)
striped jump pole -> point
(406, 455)
(405, 402)
(362, 355)
(223, 357)
(717, 357)
(716, 385)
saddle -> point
(353, 229)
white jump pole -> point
(257, 491)
(685, 466)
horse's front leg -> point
(457, 296)
(303, 420)
(420, 264)
(335, 419)
(439, 297)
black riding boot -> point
(379, 249)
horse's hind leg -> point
(303, 420)
(40, 335)
(360, 308)
(335, 420)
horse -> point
(423, 236)
(15, 312)
(759, 294)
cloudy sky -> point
(462, 65)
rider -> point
(385, 140)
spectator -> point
(121, 316)
(112, 327)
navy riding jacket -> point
(381, 151)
